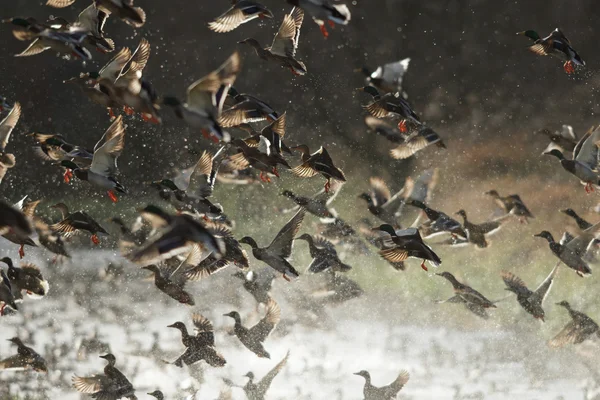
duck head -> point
(546, 235)
(305, 236)
(364, 374)
(249, 241)
(7, 261)
(531, 34)
(556, 153)
(158, 394)
(250, 375)
(302, 148)
(492, 193)
(110, 358)
(251, 42)
(178, 325)
(169, 184)
(569, 211)
(235, 315)
(369, 90)
(564, 304)
(387, 228)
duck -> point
(381, 203)
(131, 90)
(584, 162)
(113, 384)
(233, 254)
(388, 392)
(580, 328)
(337, 289)
(157, 394)
(276, 254)
(13, 220)
(240, 12)
(258, 390)
(319, 162)
(122, 9)
(421, 138)
(171, 283)
(324, 256)
(27, 278)
(14, 236)
(25, 359)
(567, 255)
(323, 11)
(557, 45)
(205, 99)
(44, 37)
(72, 223)
(130, 238)
(101, 173)
(388, 77)
(385, 129)
(466, 292)
(391, 105)
(274, 133)
(51, 240)
(318, 205)
(476, 233)
(511, 204)
(7, 125)
(406, 243)
(476, 309)
(258, 283)
(7, 297)
(200, 346)
(260, 157)
(530, 301)
(564, 140)
(247, 108)
(92, 19)
(285, 43)
(581, 223)
(55, 148)
(438, 222)
(253, 338)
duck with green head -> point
(101, 173)
(557, 45)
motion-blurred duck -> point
(25, 359)
(511, 204)
(388, 392)
(199, 346)
(324, 11)
(580, 328)
(77, 221)
(324, 256)
(466, 292)
(407, 243)
(111, 385)
(8, 160)
(319, 162)
(567, 255)
(555, 44)
(391, 105)
(241, 11)
(28, 278)
(388, 77)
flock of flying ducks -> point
(198, 240)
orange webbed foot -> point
(324, 31)
(128, 110)
(569, 67)
(22, 251)
(68, 175)
(95, 239)
(424, 266)
(112, 196)
(402, 126)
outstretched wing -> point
(515, 283)
(8, 124)
(283, 242)
(285, 42)
(265, 326)
(265, 382)
(105, 157)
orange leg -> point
(324, 31)
(111, 114)
(22, 251)
(205, 133)
(402, 126)
(424, 266)
(589, 188)
(275, 172)
(2, 309)
(286, 278)
(327, 185)
(68, 175)
(128, 110)
(569, 67)
(294, 71)
(113, 197)
(95, 239)
(331, 23)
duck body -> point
(406, 243)
(467, 293)
(567, 255)
(26, 358)
(389, 392)
(324, 255)
(557, 45)
(241, 12)
(439, 222)
(28, 278)
(579, 329)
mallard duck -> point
(476, 233)
(422, 137)
(567, 255)
(274, 133)
(580, 328)
(388, 77)
(324, 11)
(438, 222)
(324, 256)
(260, 157)
(8, 160)
(385, 129)
(258, 390)
(247, 108)
(130, 237)
(381, 203)
(320, 204)
(319, 162)
(555, 44)
(111, 385)
(102, 171)
(122, 9)
(258, 283)
(17, 238)
(177, 234)
(254, 337)
(130, 89)
(27, 278)
(241, 11)
(564, 140)
(531, 302)
(171, 282)
(48, 238)
(199, 346)
(583, 244)
(466, 292)
(93, 20)
(283, 49)
(157, 394)
(7, 297)
(407, 243)
(14, 221)
(25, 359)
(77, 221)
(55, 148)
(337, 289)
(583, 165)
(233, 254)
(388, 392)
(276, 254)
(205, 99)
(476, 309)
(391, 105)
(581, 223)
(511, 204)
(44, 37)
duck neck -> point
(62, 207)
(250, 241)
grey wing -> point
(266, 325)
(8, 124)
(567, 335)
(514, 282)
(283, 242)
(588, 151)
(36, 47)
(542, 291)
(285, 42)
(265, 382)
